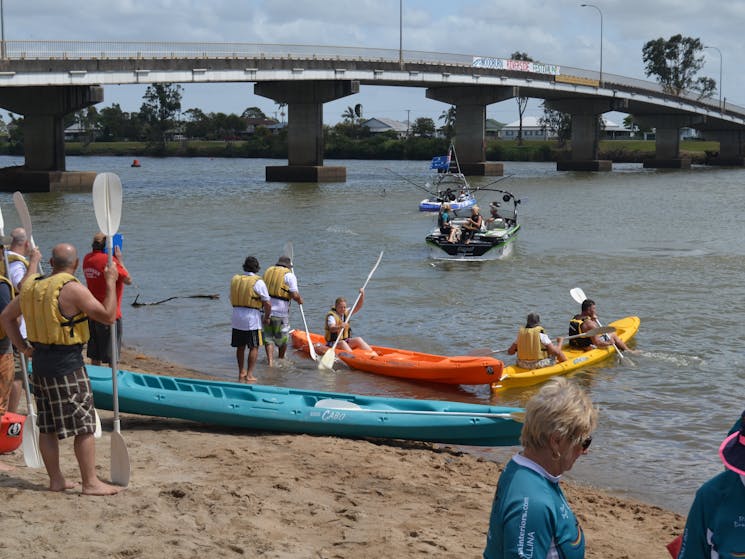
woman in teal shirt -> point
(530, 516)
(715, 528)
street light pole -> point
(2, 31)
(401, 33)
(720, 73)
(601, 37)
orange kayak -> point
(412, 365)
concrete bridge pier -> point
(470, 123)
(667, 141)
(43, 109)
(731, 150)
(585, 133)
(304, 101)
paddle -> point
(327, 361)
(333, 404)
(579, 296)
(30, 440)
(107, 203)
(589, 334)
(311, 349)
(25, 218)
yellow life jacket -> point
(45, 323)
(6, 281)
(339, 319)
(12, 257)
(529, 347)
(242, 292)
(274, 278)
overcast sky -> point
(553, 31)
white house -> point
(377, 125)
(532, 130)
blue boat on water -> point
(290, 410)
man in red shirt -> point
(99, 345)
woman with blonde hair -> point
(530, 516)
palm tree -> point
(349, 115)
(448, 119)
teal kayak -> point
(290, 410)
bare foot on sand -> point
(101, 488)
(243, 376)
(62, 486)
(251, 379)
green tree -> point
(448, 119)
(349, 115)
(556, 123)
(675, 63)
(113, 122)
(88, 120)
(253, 112)
(522, 102)
(162, 104)
(424, 127)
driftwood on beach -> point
(136, 302)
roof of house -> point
(389, 123)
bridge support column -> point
(43, 109)
(470, 123)
(305, 128)
(667, 141)
(585, 133)
(731, 151)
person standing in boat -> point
(530, 516)
(281, 283)
(472, 225)
(56, 308)
(587, 320)
(445, 223)
(533, 346)
(249, 297)
(337, 324)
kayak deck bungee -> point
(515, 377)
(412, 365)
(290, 410)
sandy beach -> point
(201, 491)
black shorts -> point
(99, 344)
(250, 338)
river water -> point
(667, 246)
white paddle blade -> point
(23, 214)
(2, 223)
(120, 467)
(577, 294)
(30, 443)
(98, 432)
(327, 361)
(107, 202)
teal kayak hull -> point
(290, 410)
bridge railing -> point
(128, 50)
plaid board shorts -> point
(278, 331)
(65, 404)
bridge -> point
(45, 80)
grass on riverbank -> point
(496, 150)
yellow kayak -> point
(515, 377)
